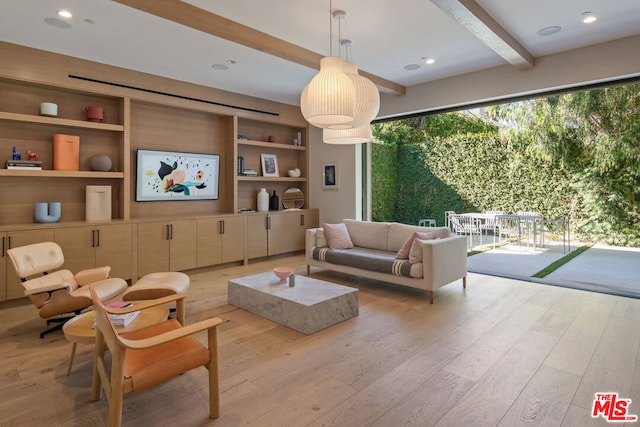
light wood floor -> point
(503, 352)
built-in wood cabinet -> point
(22, 127)
(96, 246)
(145, 237)
(167, 246)
(279, 232)
(252, 141)
(220, 240)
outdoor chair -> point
(491, 223)
(465, 225)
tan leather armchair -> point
(59, 292)
(151, 355)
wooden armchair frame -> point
(176, 340)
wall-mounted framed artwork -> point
(169, 175)
(330, 176)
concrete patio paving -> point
(601, 268)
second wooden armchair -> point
(151, 355)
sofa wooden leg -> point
(464, 282)
(430, 297)
(308, 270)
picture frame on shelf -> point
(330, 176)
(269, 165)
(169, 175)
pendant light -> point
(329, 98)
(367, 97)
(357, 135)
(367, 105)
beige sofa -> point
(436, 262)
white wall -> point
(334, 205)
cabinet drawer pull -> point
(3, 251)
(221, 227)
(93, 238)
(98, 238)
(302, 220)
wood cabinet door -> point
(233, 239)
(209, 241)
(153, 247)
(3, 266)
(256, 239)
(114, 247)
(183, 244)
(20, 238)
(279, 240)
(300, 224)
(77, 245)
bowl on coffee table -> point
(283, 273)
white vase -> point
(263, 200)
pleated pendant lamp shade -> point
(367, 98)
(357, 135)
(329, 98)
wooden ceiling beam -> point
(475, 19)
(219, 26)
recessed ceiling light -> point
(547, 31)
(428, 60)
(58, 23)
(230, 61)
(411, 67)
(64, 14)
(588, 17)
(219, 67)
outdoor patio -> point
(601, 268)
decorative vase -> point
(47, 212)
(263, 200)
(100, 162)
(274, 202)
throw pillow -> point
(321, 241)
(403, 253)
(415, 254)
(337, 236)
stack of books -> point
(23, 164)
(250, 172)
(122, 320)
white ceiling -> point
(387, 36)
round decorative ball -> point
(100, 162)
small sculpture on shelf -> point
(31, 155)
(15, 155)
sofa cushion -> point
(337, 236)
(367, 234)
(321, 240)
(403, 253)
(399, 233)
(415, 254)
(365, 259)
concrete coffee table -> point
(310, 306)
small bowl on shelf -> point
(283, 273)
